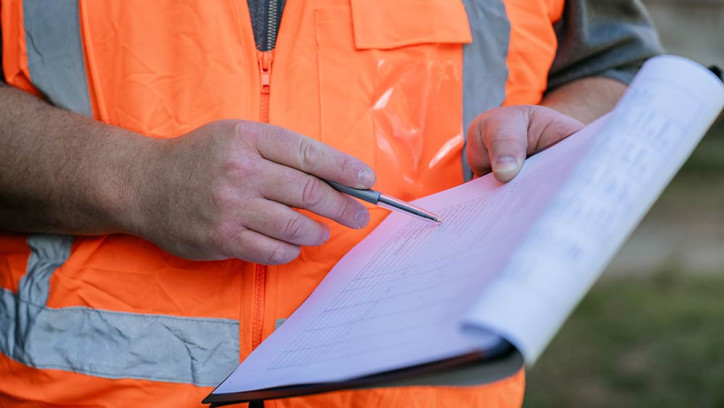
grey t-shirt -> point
(610, 38)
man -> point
(153, 237)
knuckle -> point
(347, 167)
(312, 192)
(230, 240)
(240, 130)
(310, 153)
(343, 209)
(243, 134)
(276, 255)
(293, 230)
(475, 129)
(222, 199)
(243, 167)
(245, 131)
(509, 139)
(222, 233)
(280, 254)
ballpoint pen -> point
(385, 201)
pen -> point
(385, 201)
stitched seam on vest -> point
(485, 70)
(200, 351)
(55, 53)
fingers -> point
(256, 247)
(500, 139)
(280, 222)
(273, 233)
(268, 232)
(301, 190)
(310, 156)
(240, 182)
(497, 141)
(288, 172)
(548, 127)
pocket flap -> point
(385, 24)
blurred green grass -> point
(647, 338)
(654, 342)
(699, 186)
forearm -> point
(63, 172)
(228, 189)
(585, 99)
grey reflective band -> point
(55, 53)
(485, 69)
(199, 351)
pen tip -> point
(438, 220)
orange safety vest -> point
(113, 320)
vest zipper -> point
(272, 25)
(265, 60)
(257, 326)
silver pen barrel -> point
(394, 204)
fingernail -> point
(365, 178)
(506, 163)
(326, 235)
(505, 167)
(362, 218)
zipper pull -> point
(265, 61)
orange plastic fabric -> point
(502, 394)
(15, 57)
(390, 24)
(532, 48)
(145, 280)
(25, 387)
(163, 68)
(378, 79)
(14, 253)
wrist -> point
(126, 181)
(585, 99)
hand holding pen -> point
(231, 189)
(385, 201)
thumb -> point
(497, 142)
(501, 138)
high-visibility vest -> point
(115, 321)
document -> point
(508, 263)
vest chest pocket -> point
(390, 75)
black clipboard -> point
(465, 370)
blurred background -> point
(651, 331)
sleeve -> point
(610, 38)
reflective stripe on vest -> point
(199, 351)
(55, 53)
(484, 69)
(109, 58)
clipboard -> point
(471, 369)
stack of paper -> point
(509, 262)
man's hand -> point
(227, 189)
(224, 190)
(500, 139)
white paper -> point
(398, 297)
(646, 139)
(511, 259)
